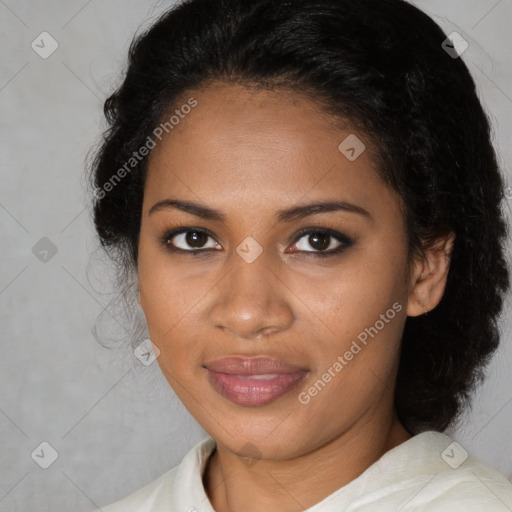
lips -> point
(253, 381)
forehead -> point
(259, 145)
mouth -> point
(253, 381)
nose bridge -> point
(251, 279)
(250, 298)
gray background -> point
(113, 421)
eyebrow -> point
(286, 215)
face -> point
(278, 325)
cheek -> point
(160, 296)
(353, 296)
(171, 303)
(362, 319)
(168, 308)
(169, 318)
(163, 297)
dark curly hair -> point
(379, 64)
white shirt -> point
(428, 472)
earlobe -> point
(430, 276)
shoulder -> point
(173, 490)
(473, 487)
(147, 498)
(432, 472)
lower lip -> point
(250, 391)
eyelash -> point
(344, 240)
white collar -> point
(417, 459)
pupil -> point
(319, 240)
(195, 237)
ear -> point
(429, 275)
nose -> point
(251, 301)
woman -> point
(306, 194)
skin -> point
(250, 153)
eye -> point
(323, 241)
(194, 240)
(188, 240)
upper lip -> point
(236, 365)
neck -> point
(233, 484)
